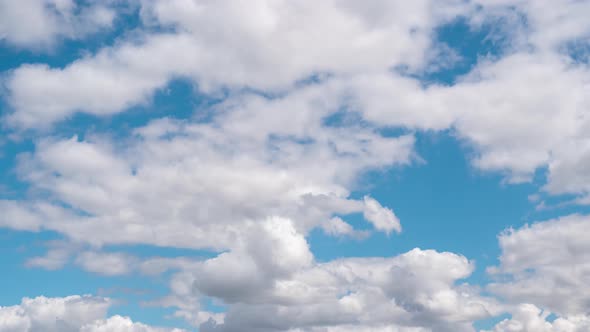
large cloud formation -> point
(306, 93)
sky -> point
(295, 166)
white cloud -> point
(251, 190)
(52, 314)
(56, 257)
(194, 185)
(568, 171)
(28, 216)
(270, 281)
(381, 217)
(68, 314)
(517, 112)
(103, 84)
(415, 291)
(39, 24)
(546, 264)
(338, 227)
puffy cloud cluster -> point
(68, 314)
(415, 291)
(547, 263)
(520, 112)
(198, 185)
(272, 48)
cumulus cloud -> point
(56, 257)
(415, 291)
(529, 88)
(547, 263)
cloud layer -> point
(306, 99)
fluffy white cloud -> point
(103, 84)
(105, 263)
(52, 314)
(282, 41)
(547, 263)
(529, 318)
(214, 44)
(68, 314)
(382, 218)
(568, 171)
(270, 282)
(519, 113)
(38, 24)
(250, 189)
(57, 255)
(415, 291)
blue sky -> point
(267, 166)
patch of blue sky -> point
(488, 324)
(579, 50)
(443, 203)
(461, 45)
(30, 281)
(11, 187)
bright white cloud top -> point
(302, 102)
